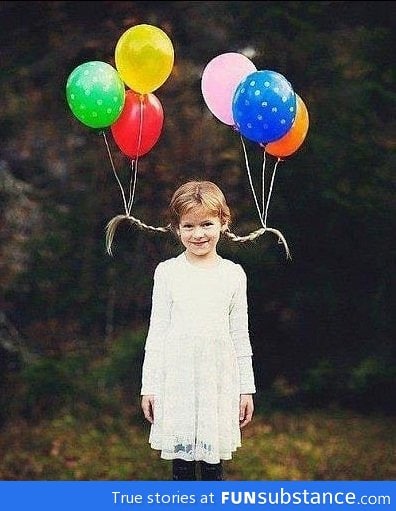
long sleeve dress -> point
(198, 359)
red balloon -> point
(139, 126)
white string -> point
(135, 167)
(263, 221)
(251, 182)
(263, 186)
(132, 192)
(115, 173)
(270, 190)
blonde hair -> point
(198, 194)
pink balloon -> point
(220, 79)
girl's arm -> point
(159, 323)
(239, 330)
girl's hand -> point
(246, 408)
(148, 407)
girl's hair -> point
(198, 194)
(189, 196)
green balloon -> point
(95, 94)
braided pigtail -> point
(255, 234)
(113, 224)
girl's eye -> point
(208, 224)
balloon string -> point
(263, 187)
(251, 182)
(270, 190)
(115, 172)
(134, 165)
(281, 238)
(132, 184)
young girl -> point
(197, 377)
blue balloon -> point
(264, 106)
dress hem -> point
(184, 456)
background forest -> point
(73, 319)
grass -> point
(310, 445)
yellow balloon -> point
(144, 58)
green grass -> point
(315, 445)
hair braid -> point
(111, 228)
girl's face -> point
(199, 232)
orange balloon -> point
(293, 139)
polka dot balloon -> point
(264, 106)
(95, 94)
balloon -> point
(142, 118)
(144, 58)
(293, 139)
(220, 80)
(264, 106)
(95, 94)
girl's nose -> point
(198, 232)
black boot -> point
(211, 471)
(183, 470)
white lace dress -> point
(198, 359)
